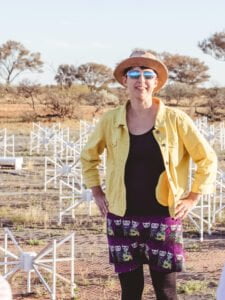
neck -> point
(142, 107)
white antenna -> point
(7, 145)
(71, 196)
(47, 260)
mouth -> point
(141, 88)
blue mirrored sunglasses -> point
(135, 74)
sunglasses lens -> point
(149, 74)
(134, 74)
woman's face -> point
(141, 87)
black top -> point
(143, 168)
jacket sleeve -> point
(201, 153)
(90, 156)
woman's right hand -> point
(100, 200)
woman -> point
(148, 150)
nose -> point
(141, 78)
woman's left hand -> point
(185, 205)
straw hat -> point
(146, 59)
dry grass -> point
(26, 217)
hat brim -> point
(156, 65)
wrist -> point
(194, 196)
(97, 191)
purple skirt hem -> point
(156, 241)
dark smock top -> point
(143, 168)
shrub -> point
(29, 116)
(178, 91)
(192, 287)
(59, 104)
(99, 99)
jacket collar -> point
(160, 117)
(120, 118)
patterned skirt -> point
(156, 241)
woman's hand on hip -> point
(100, 200)
(185, 205)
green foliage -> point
(192, 287)
(34, 242)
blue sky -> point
(80, 31)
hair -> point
(141, 67)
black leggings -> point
(132, 284)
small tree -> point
(59, 104)
(66, 75)
(216, 100)
(178, 91)
(95, 76)
(214, 45)
(221, 97)
(120, 93)
(185, 69)
(15, 59)
(29, 90)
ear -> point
(124, 79)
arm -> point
(90, 160)
(201, 153)
(90, 156)
(100, 199)
(206, 161)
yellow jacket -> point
(178, 139)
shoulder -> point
(180, 120)
(177, 114)
(112, 114)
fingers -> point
(103, 209)
(183, 208)
(181, 214)
(181, 211)
(102, 205)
